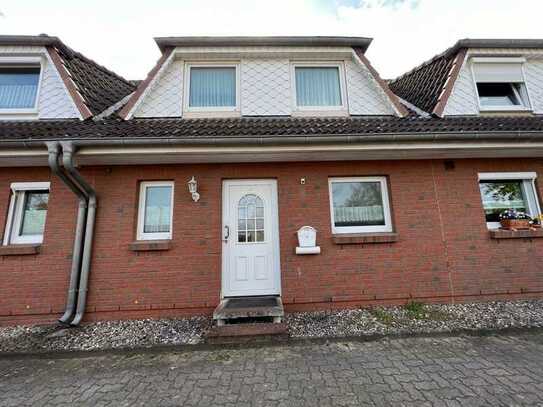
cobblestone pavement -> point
(457, 371)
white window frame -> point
(141, 235)
(526, 104)
(387, 227)
(528, 180)
(24, 62)
(319, 109)
(15, 213)
(218, 109)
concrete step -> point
(248, 307)
(244, 333)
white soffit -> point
(210, 53)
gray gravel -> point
(375, 321)
(431, 318)
(104, 335)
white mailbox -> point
(307, 241)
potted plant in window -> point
(536, 221)
(512, 219)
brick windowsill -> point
(150, 245)
(361, 238)
(19, 249)
(516, 234)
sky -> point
(119, 34)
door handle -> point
(226, 233)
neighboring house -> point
(166, 198)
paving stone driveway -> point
(457, 371)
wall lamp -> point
(193, 189)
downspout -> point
(69, 166)
(54, 154)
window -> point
(359, 205)
(318, 87)
(19, 87)
(500, 83)
(212, 88)
(155, 210)
(501, 191)
(250, 219)
(500, 94)
(27, 213)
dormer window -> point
(500, 94)
(318, 87)
(500, 84)
(19, 87)
(212, 88)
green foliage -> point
(382, 316)
(416, 310)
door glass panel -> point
(250, 219)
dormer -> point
(262, 76)
(42, 78)
(477, 78)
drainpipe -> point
(54, 153)
(69, 166)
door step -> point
(244, 333)
(236, 309)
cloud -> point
(406, 32)
(393, 4)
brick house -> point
(167, 198)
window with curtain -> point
(212, 87)
(155, 211)
(360, 205)
(18, 87)
(317, 86)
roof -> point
(252, 128)
(316, 41)
(98, 87)
(427, 86)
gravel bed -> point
(426, 319)
(417, 318)
(104, 335)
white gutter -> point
(169, 152)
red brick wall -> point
(444, 252)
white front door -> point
(250, 255)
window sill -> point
(20, 249)
(516, 234)
(206, 114)
(504, 109)
(150, 245)
(18, 111)
(362, 238)
(320, 113)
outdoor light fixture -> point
(193, 189)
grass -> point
(382, 316)
(418, 310)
